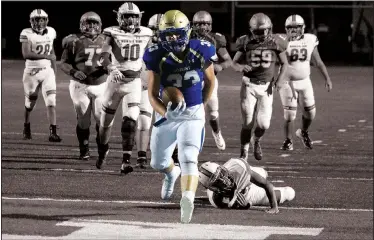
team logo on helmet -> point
(295, 26)
(39, 20)
(260, 26)
(90, 24)
(174, 30)
(202, 22)
(129, 16)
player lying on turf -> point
(180, 64)
(235, 184)
(80, 60)
(40, 70)
(122, 55)
(301, 50)
(256, 57)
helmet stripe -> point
(293, 18)
(131, 7)
(158, 18)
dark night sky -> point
(64, 17)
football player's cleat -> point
(27, 131)
(90, 24)
(295, 27)
(260, 26)
(38, 20)
(202, 22)
(220, 142)
(304, 136)
(287, 145)
(126, 165)
(103, 150)
(53, 137)
(141, 162)
(257, 151)
(187, 208)
(174, 30)
(129, 17)
(84, 153)
(169, 182)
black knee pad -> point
(128, 130)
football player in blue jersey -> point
(177, 61)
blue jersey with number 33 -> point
(185, 74)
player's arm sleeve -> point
(209, 55)
(150, 60)
(66, 57)
(105, 51)
(267, 185)
(222, 51)
(23, 37)
(239, 44)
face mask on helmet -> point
(90, 27)
(202, 27)
(295, 31)
(221, 182)
(128, 22)
(175, 39)
(39, 24)
(260, 34)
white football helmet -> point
(295, 26)
(38, 20)
(154, 21)
(206, 171)
(129, 16)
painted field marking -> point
(362, 121)
(119, 229)
(351, 126)
(157, 173)
(342, 130)
(317, 141)
(285, 155)
(41, 199)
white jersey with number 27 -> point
(299, 54)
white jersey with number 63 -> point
(40, 44)
(299, 54)
(128, 48)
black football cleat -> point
(257, 151)
(304, 136)
(27, 131)
(141, 162)
(103, 150)
(84, 153)
(287, 145)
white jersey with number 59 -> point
(299, 54)
(40, 44)
(128, 48)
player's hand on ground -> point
(79, 75)
(246, 68)
(328, 85)
(272, 210)
(51, 57)
(176, 112)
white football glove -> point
(175, 113)
(117, 75)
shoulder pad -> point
(51, 32)
(311, 38)
(109, 30)
(68, 39)
(221, 39)
(24, 36)
(280, 36)
(146, 31)
(281, 42)
(241, 39)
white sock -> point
(189, 194)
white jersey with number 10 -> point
(128, 48)
(299, 54)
